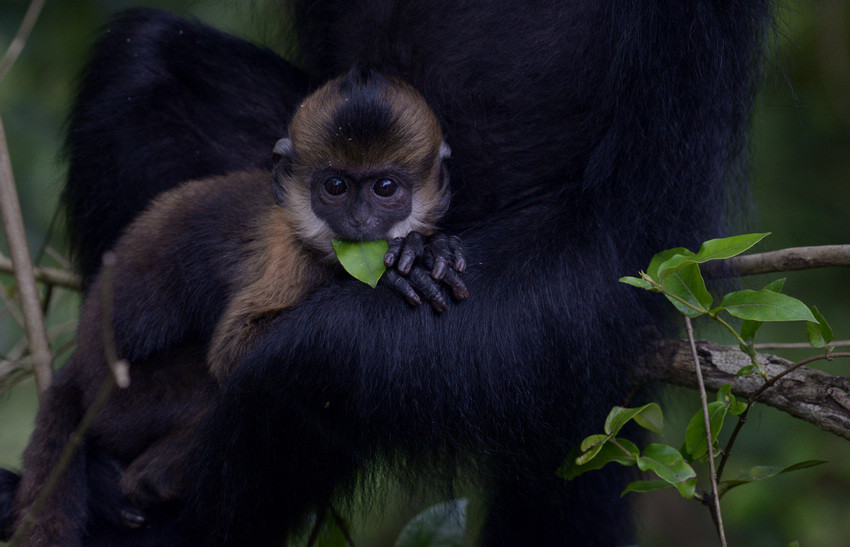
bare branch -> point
(20, 39)
(715, 496)
(809, 394)
(119, 377)
(49, 276)
(120, 368)
(13, 224)
(798, 345)
(783, 260)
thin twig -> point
(798, 345)
(767, 385)
(50, 276)
(68, 451)
(13, 224)
(718, 518)
(75, 441)
(120, 367)
(54, 254)
(9, 308)
(20, 39)
(742, 419)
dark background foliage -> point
(800, 149)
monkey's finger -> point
(439, 256)
(425, 285)
(413, 247)
(393, 251)
(456, 245)
(402, 286)
(133, 517)
(453, 280)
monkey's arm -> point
(345, 374)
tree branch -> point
(783, 260)
(809, 394)
(20, 39)
(13, 224)
(49, 276)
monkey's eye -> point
(385, 188)
(335, 186)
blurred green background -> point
(800, 150)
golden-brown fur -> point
(279, 272)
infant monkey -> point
(201, 273)
(364, 159)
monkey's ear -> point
(282, 149)
(282, 160)
(444, 154)
(445, 151)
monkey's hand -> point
(417, 267)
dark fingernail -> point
(132, 518)
(460, 265)
(439, 269)
(405, 263)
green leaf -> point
(364, 260)
(638, 282)
(766, 305)
(713, 249)
(609, 453)
(663, 257)
(648, 416)
(695, 442)
(442, 525)
(727, 247)
(590, 447)
(724, 394)
(760, 472)
(819, 334)
(737, 408)
(687, 283)
(746, 371)
(750, 328)
(666, 462)
(645, 486)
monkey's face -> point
(361, 206)
(364, 159)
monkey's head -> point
(364, 159)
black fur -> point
(586, 136)
(8, 484)
(164, 100)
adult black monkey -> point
(586, 136)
